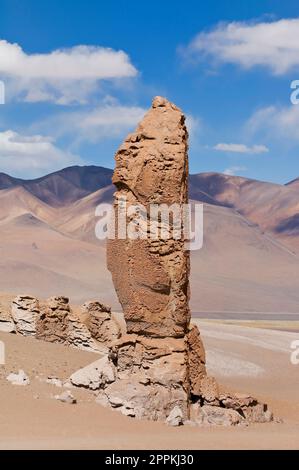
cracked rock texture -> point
(153, 282)
(25, 311)
(54, 321)
(100, 323)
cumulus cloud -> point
(109, 120)
(34, 154)
(63, 75)
(275, 123)
(234, 170)
(270, 44)
(241, 148)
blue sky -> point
(80, 74)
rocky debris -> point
(247, 406)
(236, 401)
(100, 323)
(175, 417)
(215, 415)
(95, 375)
(54, 381)
(135, 399)
(18, 379)
(258, 413)
(25, 311)
(6, 322)
(58, 324)
(66, 397)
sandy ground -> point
(246, 359)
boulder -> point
(66, 397)
(175, 417)
(18, 379)
(94, 376)
(215, 415)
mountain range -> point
(249, 260)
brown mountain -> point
(247, 263)
(62, 187)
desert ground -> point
(244, 297)
(248, 359)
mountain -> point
(248, 261)
(62, 187)
(273, 207)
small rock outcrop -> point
(55, 321)
(100, 323)
(58, 324)
(25, 311)
(6, 322)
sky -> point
(79, 75)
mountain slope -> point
(64, 186)
(273, 207)
(48, 244)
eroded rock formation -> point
(56, 322)
(100, 323)
(157, 370)
(151, 275)
(25, 311)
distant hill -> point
(248, 262)
(62, 187)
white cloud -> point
(271, 44)
(241, 148)
(233, 170)
(36, 154)
(63, 75)
(109, 120)
(275, 123)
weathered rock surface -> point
(153, 282)
(58, 324)
(157, 370)
(196, 360)
(96, 375)
(175, 417)
(100, 323)
(25, 311)
(215, 415)
(6, 322)
(18, 379)
(55, 322)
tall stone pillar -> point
(151, 274)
